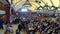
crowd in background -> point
(31, 26)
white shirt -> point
(10, 29)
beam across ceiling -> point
(2, 7)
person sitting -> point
(30, 28)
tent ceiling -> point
(4, 2)
(34, 5)
(2, 7)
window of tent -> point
(2, 12)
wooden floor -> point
(14, 28)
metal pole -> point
(10, 11)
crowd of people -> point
(43, 27)
(36, 25)
(31, 26)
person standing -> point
(20, 26)
(17, 31)
(1, 23)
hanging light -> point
(24, 10)
(52, 8)
(55, 8)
